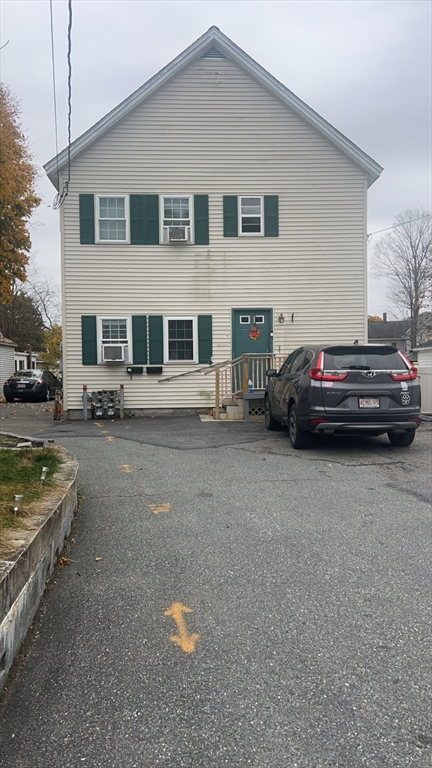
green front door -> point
(252, 331)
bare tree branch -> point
(45, 294)
(404, 257)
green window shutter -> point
(230, 215)
(151, 219)
(139, 339)
(205, 339)
(144, 219)
(87, 219)
(156, 339)
(201, 213)
(271, 216)
(88, 340)
(137, 219)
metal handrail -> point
(222, 365)
(185, 373)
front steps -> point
(233, 408)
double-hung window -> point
(251, 215)
(112, 219)
(115, 335)
(181, 339)
(177, 218)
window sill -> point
(181, 362)
(112, 242)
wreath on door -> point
(254, 333)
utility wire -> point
(69, 85)
(54, 90)
(60, 198)
(427, 216)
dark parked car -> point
(344, 389)
(33, 384)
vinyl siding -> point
(7, 361)
(213, 130)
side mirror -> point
(271, 373)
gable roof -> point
(390, 329)
(214, 44)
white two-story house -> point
(210, 214)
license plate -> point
(21, 386)
(369, 402)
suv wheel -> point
(298, 437)
(401, 439)
(270, 422)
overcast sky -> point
(364, 65)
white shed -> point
(424, 357)
(7, 357)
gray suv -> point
(344, 389)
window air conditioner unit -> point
(115, 353)
(177, 234)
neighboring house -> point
(398, 332)
(22, 361)
(7, 349)
(210, 214)
(424, 364)
(394, 332)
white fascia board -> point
(214, 37)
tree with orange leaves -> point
(17, 195)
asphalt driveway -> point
(230, 602)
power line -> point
(61, 196)
(69, 85)
(54, 90)
(426, 216)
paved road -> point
(307, 576)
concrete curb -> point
(24, 577)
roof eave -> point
(214, 37)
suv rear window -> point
(363, 359)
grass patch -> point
(20, 472)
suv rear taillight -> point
(318, 374)
(408, 375)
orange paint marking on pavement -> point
(97, 424)
(183, 639)
(110, 438)
(157, 508)
(127, 468)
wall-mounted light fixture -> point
(281, 318)
(18, 499)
